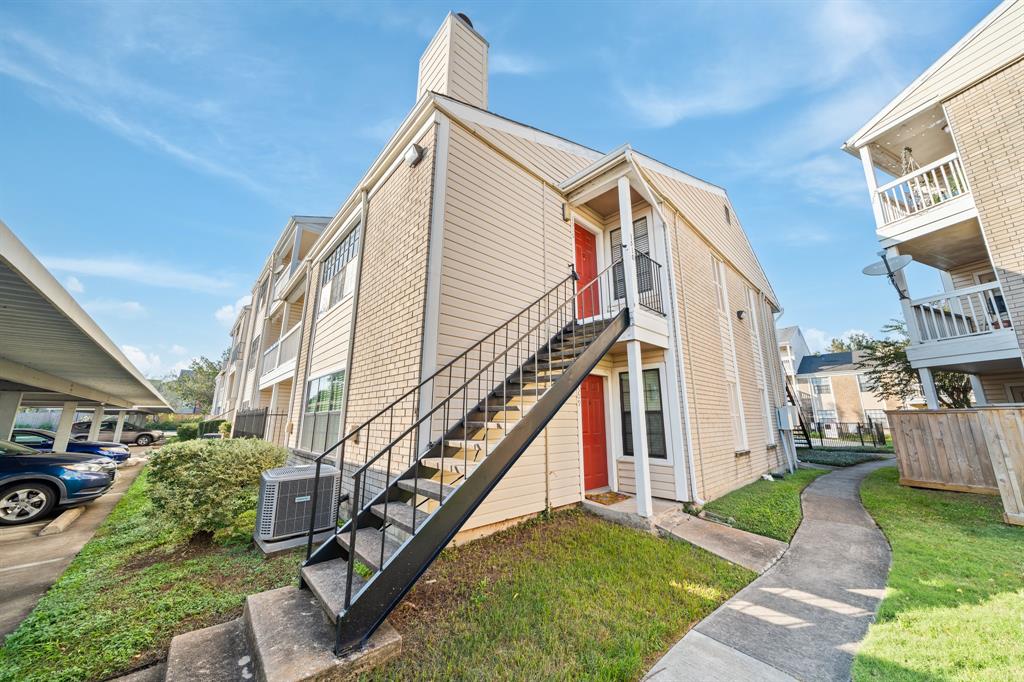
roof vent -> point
(462, 16)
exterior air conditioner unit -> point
(787, 417)
(286, 498)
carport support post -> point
(979, 391)
(67, 418)
(97, 421)
(118, 427)
(10, 401)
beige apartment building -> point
(467, 220)
(943, 168)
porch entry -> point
(586, 267)
(595, 448)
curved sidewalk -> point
(804, 618)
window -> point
(754, 306)
(728, 215)
(821, 385)
(826, 416)
(337, 276)
(862, 382)
(657, 448)
(321, 417)
(641, 244)
(32, 440)
(254, 348)
(261, 295)
(718, 274)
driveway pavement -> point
(804, 618)
(30, 564)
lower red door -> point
(595, 444)
(589, 302)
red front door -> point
(595, 452)
(589, 302)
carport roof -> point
(51, 350)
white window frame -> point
(737, 414)
(760, 366)
(616, 418)
(348, 271)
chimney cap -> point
(462, 15)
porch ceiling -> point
(923, 134)
(948, 248)
(607, 204)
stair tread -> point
(368, 546)
(219, 652)
(425, 486)
(400, 514)
(459, 464)
(327, 581)
(506, 425)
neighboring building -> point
(465, 219)
(950, 146)
(833, 388)
(792, 349)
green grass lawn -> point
(837, 458)
(769, 508)
(568, 597)
(955, 603)
(128, 593)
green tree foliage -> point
(889, 374)
(195, 385)
(850, 342)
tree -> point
(889, 374)
(850, 342)
(195, 385)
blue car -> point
(32, 482)
(41, 439)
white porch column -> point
(979, 390)
(869, 175)
(928, 383)
(67, 418)
(119, 426)
(10, 401)
(97, 420)
(637, 408)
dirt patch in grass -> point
(608, 498)
(569, 596)
(199, 546)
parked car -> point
(130, 432)
(33, 482)
(41, 439)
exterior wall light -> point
(741, 314)
(413, 155)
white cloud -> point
(124, 309)
(178, 350)
(817, 340)
(139, 271)
(73, 284)
(151, 364)
(513, 64)
(226, 314)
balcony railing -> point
(648, 280)
(282, 278)
(936, 183)
(959, 313)
(283, 350)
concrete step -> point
(426, 487)
(368, 546)
(291, 640)
(327, 581)
(213, 654)
(400, 514)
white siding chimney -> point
(455, 63)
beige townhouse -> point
(498, 320)
(942, 162)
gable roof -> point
(786, 334)
(992, 44)
(827, 362)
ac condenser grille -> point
(286, 498)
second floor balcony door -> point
(589, 304)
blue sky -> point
(150, 154)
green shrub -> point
(240, 530)
(188, 431)
(225, 429)
(206, 485)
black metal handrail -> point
(581, 312)
(413, 396)
(648, 280)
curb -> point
(61, 523)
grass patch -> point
(769, 508)
(567, 597)
(955, 599)
(128, 592)
(837, 458)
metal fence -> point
(849, 435)
(261, 423)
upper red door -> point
(595, 444)
(589, 303)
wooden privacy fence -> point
(978, 450)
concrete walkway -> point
(755, 552)
(804, 618)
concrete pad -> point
(700, 658)
(807, 614)
(154, 673)
(212, 654)
(61, 523)
(292, 641)
(751, 551)
(624, 513)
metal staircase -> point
(418, 469)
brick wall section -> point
(988, 123)
(389, 329)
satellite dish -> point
(887, 266)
